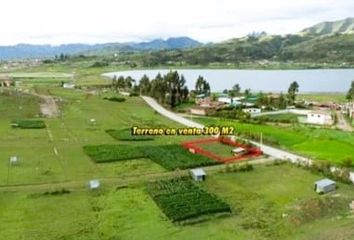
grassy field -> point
(130, 213)
(321, 144)
(55, 153)
(218, 148)
(270, 202)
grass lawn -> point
(321, 144)
(218, 148)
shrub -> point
(115, 99)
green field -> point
(222, 150)
(55, 153)
(257, 199)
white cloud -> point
(92, 21)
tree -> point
(293, 89)
(120, 82)
(247, 92)
(350, 94)
(236, 88)
(144, 85)
(202, 86)
(199, 85)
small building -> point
(325, 185)
(13, 160)
(198, 174)
(252, 110)
(94, 184)
(69, 85)
(238, 151)
(321, 118)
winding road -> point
(268, 150)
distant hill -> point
(330, 43)
(22, 51)
(341, 26)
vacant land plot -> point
(322, 144)
(218, 148)
(181, 199)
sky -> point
(98, 21)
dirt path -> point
(118, 181)
(48, 107)
(342, 123)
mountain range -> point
(22, 51)
(326, 41)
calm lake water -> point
(321, 80)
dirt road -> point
(271, 151)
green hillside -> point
(341, 26)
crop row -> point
(112, 153)
(180, 199)
(175, 156)
(28, 124)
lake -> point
(319, 80)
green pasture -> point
(257, 198)
(322, 144)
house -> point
(252, 110)
(198, 174)
(321, 118)
(325, 185)
(197, 110)
(94, 184)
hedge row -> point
(115, 99)
(28, 124)
(180, 199)
(112, 153)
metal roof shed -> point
(198, 174)
(94, 184)
(325, 185)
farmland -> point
(128, 212)
(56, 162)
(180, 199)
